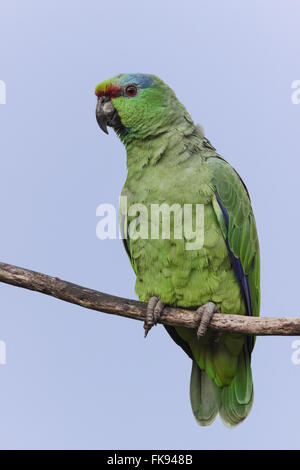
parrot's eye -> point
(131, 90)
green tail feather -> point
(233, 402)
(205, 396)
(237, 398)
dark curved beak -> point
(106, 114)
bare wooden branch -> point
(106, 303)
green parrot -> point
(170, 161)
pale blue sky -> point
(81, 379)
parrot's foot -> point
(205, 312)
(154, 310)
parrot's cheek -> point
(106, 114)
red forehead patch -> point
(112, 91)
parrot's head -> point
(137, 106)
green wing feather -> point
(241, 232)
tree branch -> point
(106, 303)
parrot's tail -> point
(233, 402)
(205, 396)
(237, 398)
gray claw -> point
(154, 310)
(158, 311)
(206, 312)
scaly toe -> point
(152, 314)
(206, 312)
(158, 311)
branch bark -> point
(106, 303)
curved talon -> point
(154, 310)
(206, 312)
